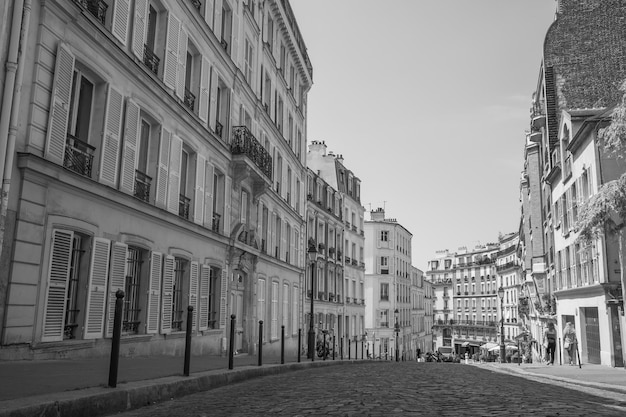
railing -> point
(215, 223)
(142, 186)
(218, 128)
(150, 59)
(348, 260)
(78, 156)
(567, 167)
(98, 8)
(183, 206)
(506, 266)
(244, 143)
(196, 3)
(189, 99)
(224, 44)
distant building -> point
(510, 279)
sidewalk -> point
(79, 387)
(594, 379)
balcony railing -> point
(98, 8)
(218, 128)
(189, 99)
(224, 44)
(150, 60)
(196, 3)
(78, 156)
(244, 143)
(215, 224)
(142, 186)
(183, 206)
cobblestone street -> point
(388, 388)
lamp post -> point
(312, 255)
(397, 330)
(501, 295)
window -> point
(264, 230)
(288, 243)
(274, 321)
(192, 70)
(280, 115)
(227, 19)
(384, 291)
(149, 32)
(248, 61)
(278, 234)
(289, 185)
(384, 318)
(178, 309)
(213, 296)
(218, 201)
(279, 172)
(285, 320)
(261, 302)
(384, 235)
(76, 277)
(295, 312)
(283, 59)
(132, 307)
(384, 265)
(222, 110)
(270, 32)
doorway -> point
(237, 308)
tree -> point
(605, 212)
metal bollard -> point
(341, 347)
(349, 353)
(260, 342)
(115, 341)
(361, 349)
(188, 340)
(324, 346)
(299, 343)
(282, 344)
(232, 341)
(333, 347)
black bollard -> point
(324, 346)
(188, 340)
(282, 344)
(232, 341)
(361, 349)
(349, 348)
(115, 341)
(299, 343)
(341, 347)
(333, 347)
(260, 342)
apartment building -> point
(350, 251)
(158, 151)
(388, 284)
(577, 86)
(509, 277)
(419, 340)
(440, 275)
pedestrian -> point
(549, 342)
(570, 342)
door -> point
(236, 299)
(592, 334)
(617, 337)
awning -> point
(465, 344)
(489, 345)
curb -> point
(99, 401)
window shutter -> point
(111, 140)
(163, 169)
(208, 196)
(208, 12)
(205, 81)
(121, 13)
(96, 298)
(213, 100)
(58, 275)
(129, 157)
(234, 48)
(140, 27)
(167, 295)
(182, 63)
(60, 104)
(117, 281)
(217, 21)
(193, 292)
(198, 210)
(223, 292)
(173, 186)
(203, 309)
(283, 241)
(171, 52)
(570, 213)
(227, 198)
(154, 293)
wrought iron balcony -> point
(183, 206)
(150, 59)
(218, 128)
(142, 186)
(78, 156)
(244, 143)
(98, 8)
(189, 99)
(196, 3)
(224, 44)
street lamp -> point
(501, 295)
(397, 330)
(312, 255)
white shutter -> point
(198, 209)
(194, 279)
(182, 63)
(205, 81)
(283, 243)
(121, 14)
(154, 293)
(60, 105)
(163, 169)
(173, 186)
(223, 305)
(111, 141)
(117, 281)
(217, 21)
(234, 48)
(208, 196)
(131, 139)
(140, 27)
(203, 308)
(171, 52)
(227, 198)
(208, 12)
(167, 295)
(58, 275)
(96, 298)
(213, 100)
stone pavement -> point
(79, 387)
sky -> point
(428, 101)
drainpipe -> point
(11, 103)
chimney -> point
(378, 215)
(318, 147)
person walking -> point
(549, 342)
(570, 342)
